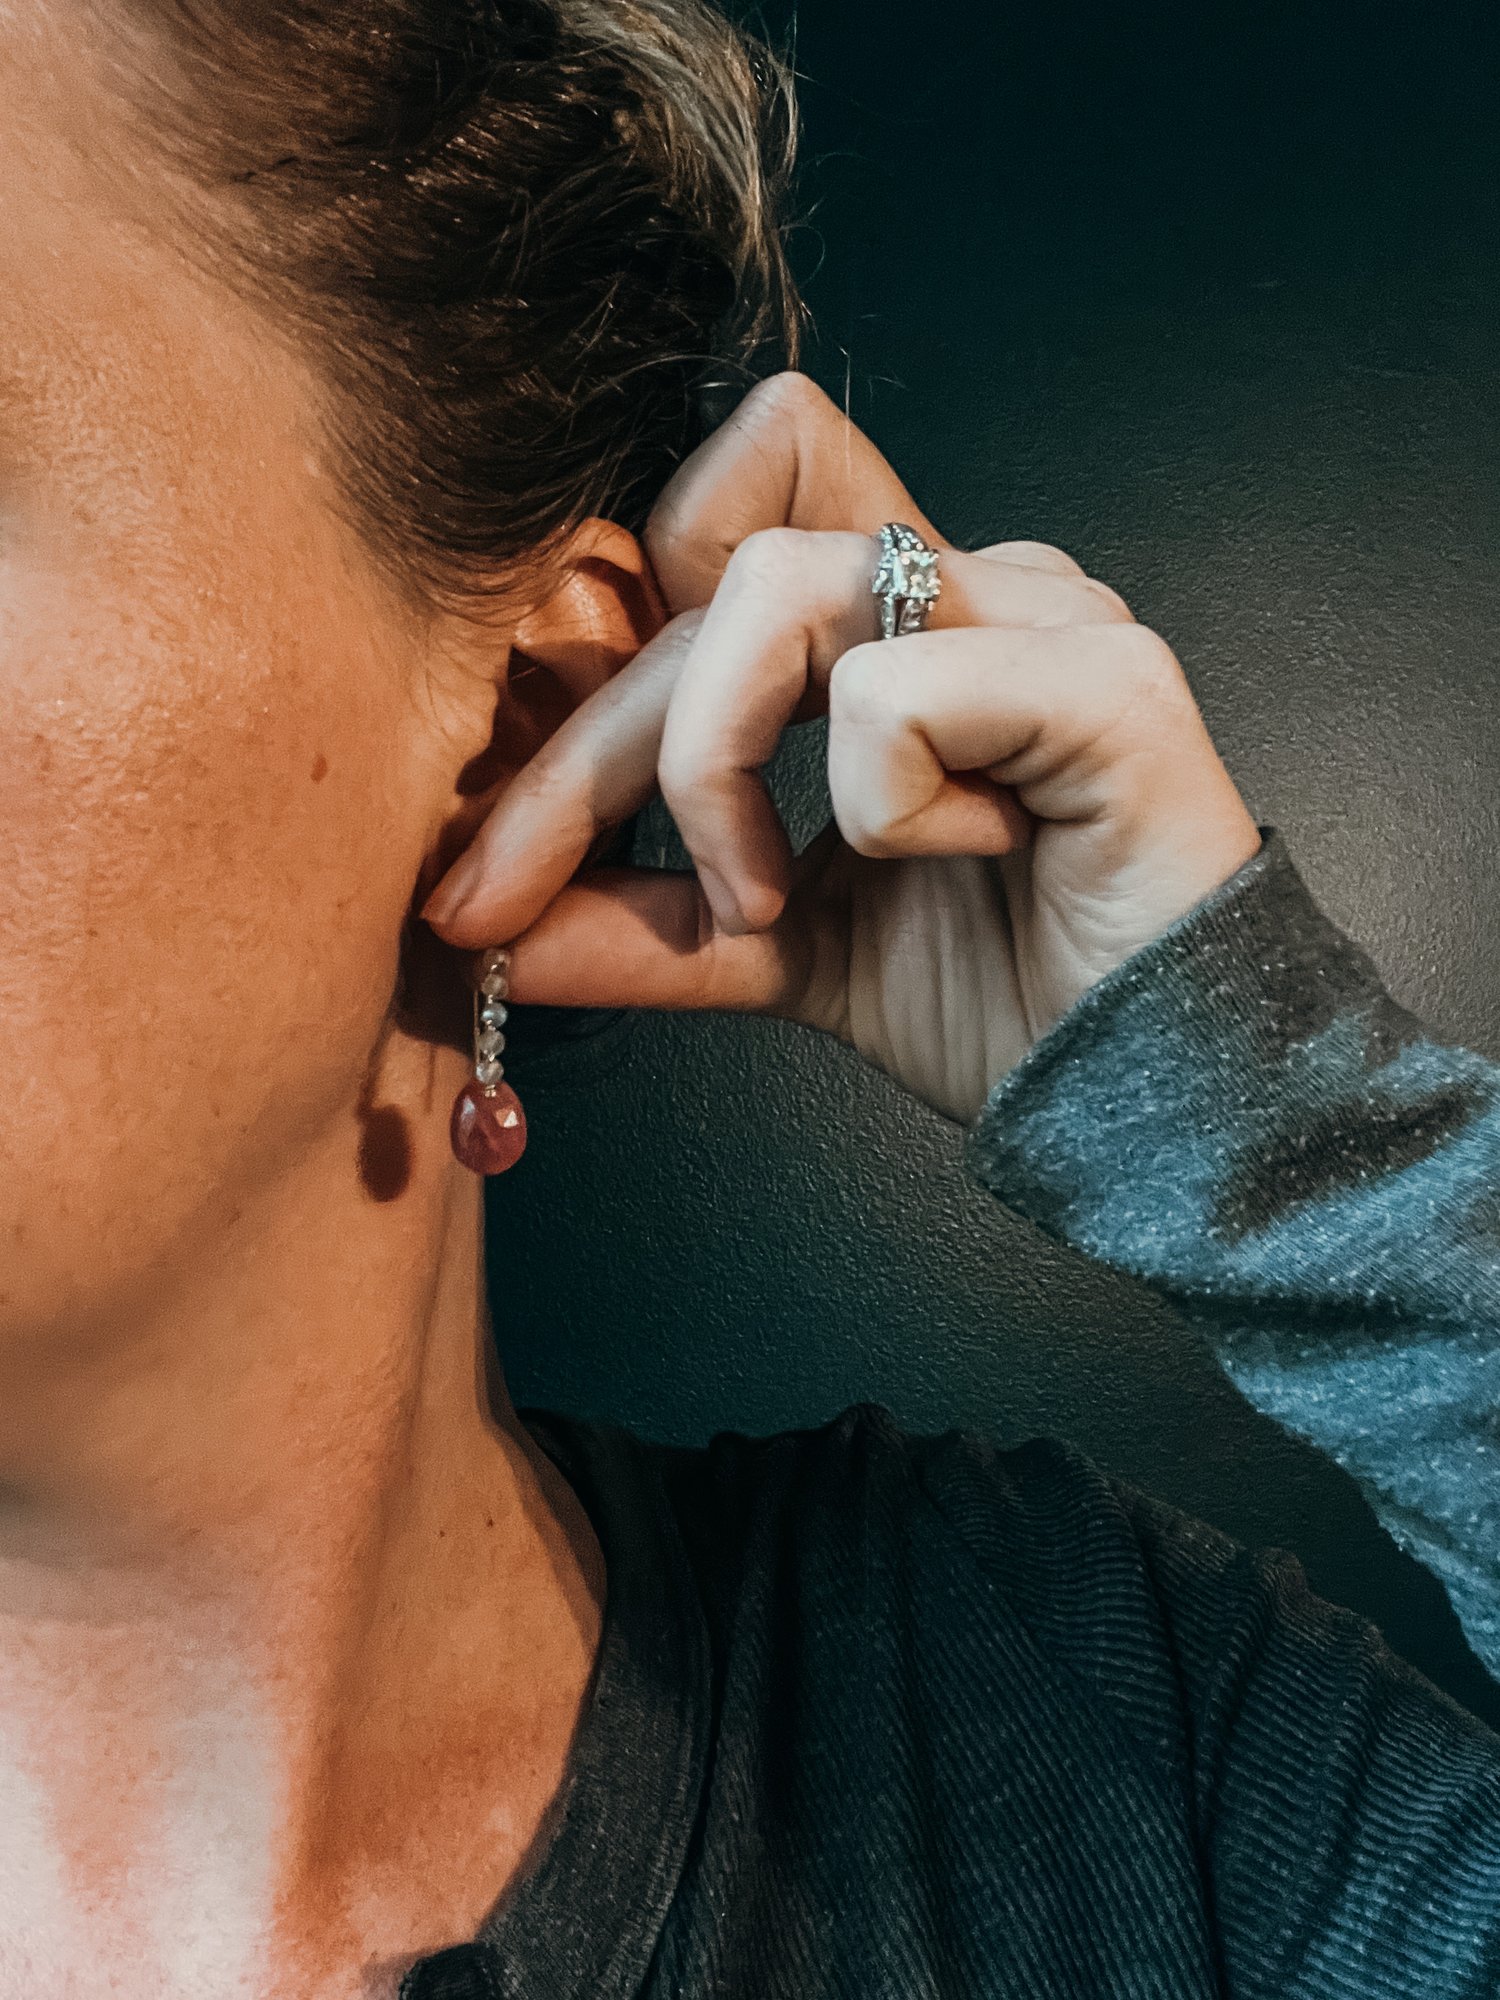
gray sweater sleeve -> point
(1242, 1116)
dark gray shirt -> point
(880, 1716)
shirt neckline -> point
(586, 1918)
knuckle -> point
(1040, 555)
(871, 841)
(679, 544)
(1149, 661)
(1108, 605)
(788, 394)
(862, 830)
(682, 762)
(660, 528)
(768, 556)
(680, 771)
(862, 687)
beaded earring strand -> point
(488, 1126)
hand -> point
(1023, 795)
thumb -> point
(644, 937)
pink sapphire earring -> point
(488, 1127)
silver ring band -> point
(906, 580)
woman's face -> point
(220, 764)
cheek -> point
(207, 842)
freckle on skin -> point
(320, 768)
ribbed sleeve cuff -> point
(1180, 1048)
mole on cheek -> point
(320, 768)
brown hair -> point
(534, 248)
(530, 243)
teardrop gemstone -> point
(488, 1132)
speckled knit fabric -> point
(889, 1717)
(1244, 1117)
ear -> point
(606, 608)
(597, 617)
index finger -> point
(786, 457)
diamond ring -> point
(906, 580)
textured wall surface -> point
(1208, 298)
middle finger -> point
(790, 603)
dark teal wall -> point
(1209, 298)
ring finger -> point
(789, 604)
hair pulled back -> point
(534, 245)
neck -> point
(295, 1621)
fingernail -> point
(728, 915)
(448, 899)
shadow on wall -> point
(1208, 301)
